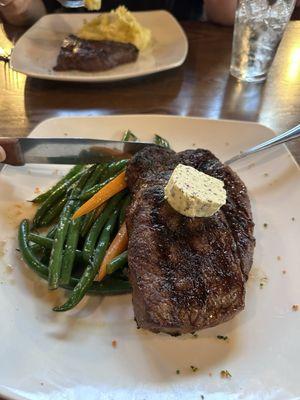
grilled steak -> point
(186, 273)
(93, 55)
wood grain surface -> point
(201, 87)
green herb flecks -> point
(221, 337)
(225, 374)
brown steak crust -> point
(93, 55)
(186, 273)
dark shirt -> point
(187, 9)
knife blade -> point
(20, 151)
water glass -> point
(258, 30)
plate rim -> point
(173, 116)
(91, 78)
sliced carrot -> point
(118, 245)
(113, 187)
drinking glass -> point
(72, 3)
(258, 30)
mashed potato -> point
(92, 4)
(119, 25)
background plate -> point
(45, 355)
(36, 51)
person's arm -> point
(22, 12)
(220, 11)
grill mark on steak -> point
(186, 273)
(94, 55)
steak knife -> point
(20, 151)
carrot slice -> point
(113, 187)
(118, 245)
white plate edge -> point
(100, 79)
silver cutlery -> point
(19, 151)
(291, 134)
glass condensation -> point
(258, 29)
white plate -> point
(45, 355)
(36, 51)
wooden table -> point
(201, 87)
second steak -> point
(93, 55)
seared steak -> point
(186, 273)
(93, 55)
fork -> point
(291, 134)
(71, 3)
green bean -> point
(95, 179)
(161, 141)
(92, 237)
(89, 219)
(73, 171)
(50, 235)
(91, 270)
(87, 223)
(111, 172)
(53, 212)
(47, 243)
(110, 286)
(70, 250)
(51, 232)
(117, 263)
(76, 227)
(54, 196)
(36, 247)
(43, 241)
(55, 263)
(96, 176)
(90, 193)
(42, 245)
(45, 257)
(27, 253)
(123, 209)
(115, 167)
(129, 136)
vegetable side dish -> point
(111, 228)
(72, 251)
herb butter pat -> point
(193, 193)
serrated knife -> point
(20, 151)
